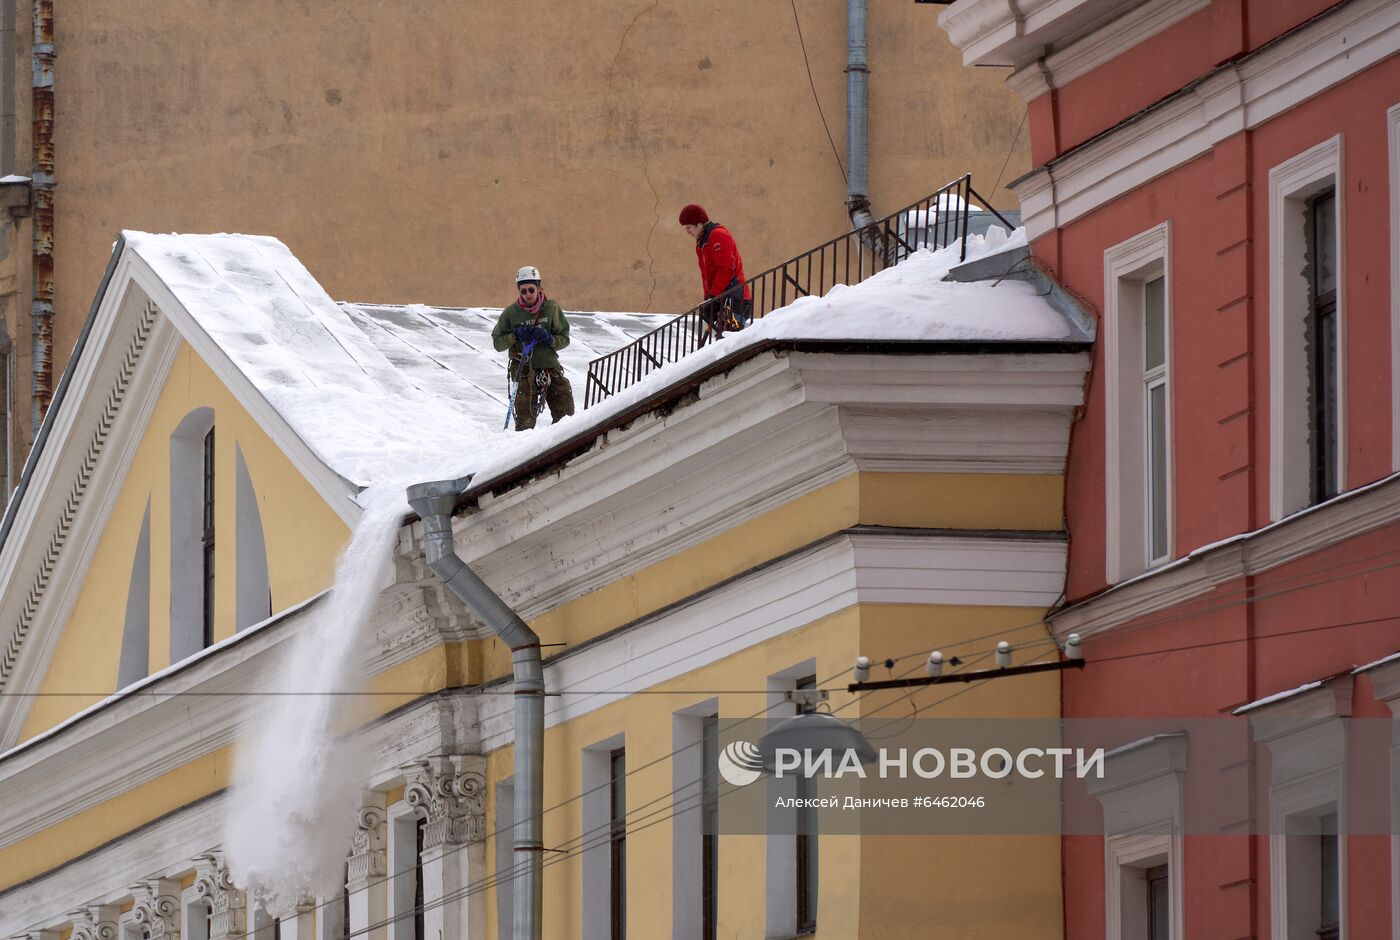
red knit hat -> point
(694, 215)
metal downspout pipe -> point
(433, 502)
(857, 101)
(41, 305)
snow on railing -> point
(936, 221)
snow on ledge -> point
(1279, 697)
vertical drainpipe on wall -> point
(857, 100)
(41, 352)
(434, 503)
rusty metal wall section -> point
(43, 193)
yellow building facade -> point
(807, 505)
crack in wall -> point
(656, 220)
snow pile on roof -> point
(912, 302)
(387, 394)
(371, 389)
(909, 302)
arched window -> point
(192, 544)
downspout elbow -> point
(434, 503)
(857, 110)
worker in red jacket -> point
(729, 300)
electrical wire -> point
(602, 831)
(1010, 150)
(1247, 598)
(815, 97)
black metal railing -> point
(936, 221)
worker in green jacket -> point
(534, 329)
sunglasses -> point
(529, 290)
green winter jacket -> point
(551, 317)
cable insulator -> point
(1003, 654)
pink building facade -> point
(1220, 181)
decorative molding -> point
(1315, 168)
(1236, 97)
(836, 574)
(451, 792)
(367, 850)
(1344, 517)
(1082, 56)
(1307, 740)
(77, 489)
(228, 906)
(157, 908)
(1385, 681)
(95, 922)
(1010, 32)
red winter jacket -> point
(719, 259)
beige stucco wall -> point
(421, 152)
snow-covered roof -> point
(371, 389)
(395, 394)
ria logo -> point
(740, 763)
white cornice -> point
(170, 845)
(1236, 97)
(1012, 32)
(1082, 56)
(853, 568)
(786, 424)
(1345, 517)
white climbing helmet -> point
(527, 273)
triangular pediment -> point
(142, 359)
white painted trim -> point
(1307, 740)
(849, 570)
(1392, 136)
(1385, 681)
(1344, 517)
(687, 821)
(595, 899)
(1082, 56)
(1143, 801)
(1236, 97)
(1316, 168)
(334, 489)
(1134, 261)
(1123, 853)
(93, 446)
(1008, 32)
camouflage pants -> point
(558, 395)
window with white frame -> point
(695, 841)
(1138, 412)
(192, 552)
(1305, 735)
(605, 839)
(793, 856)
(1141, 793)
(405, 861)
(1306, 330)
